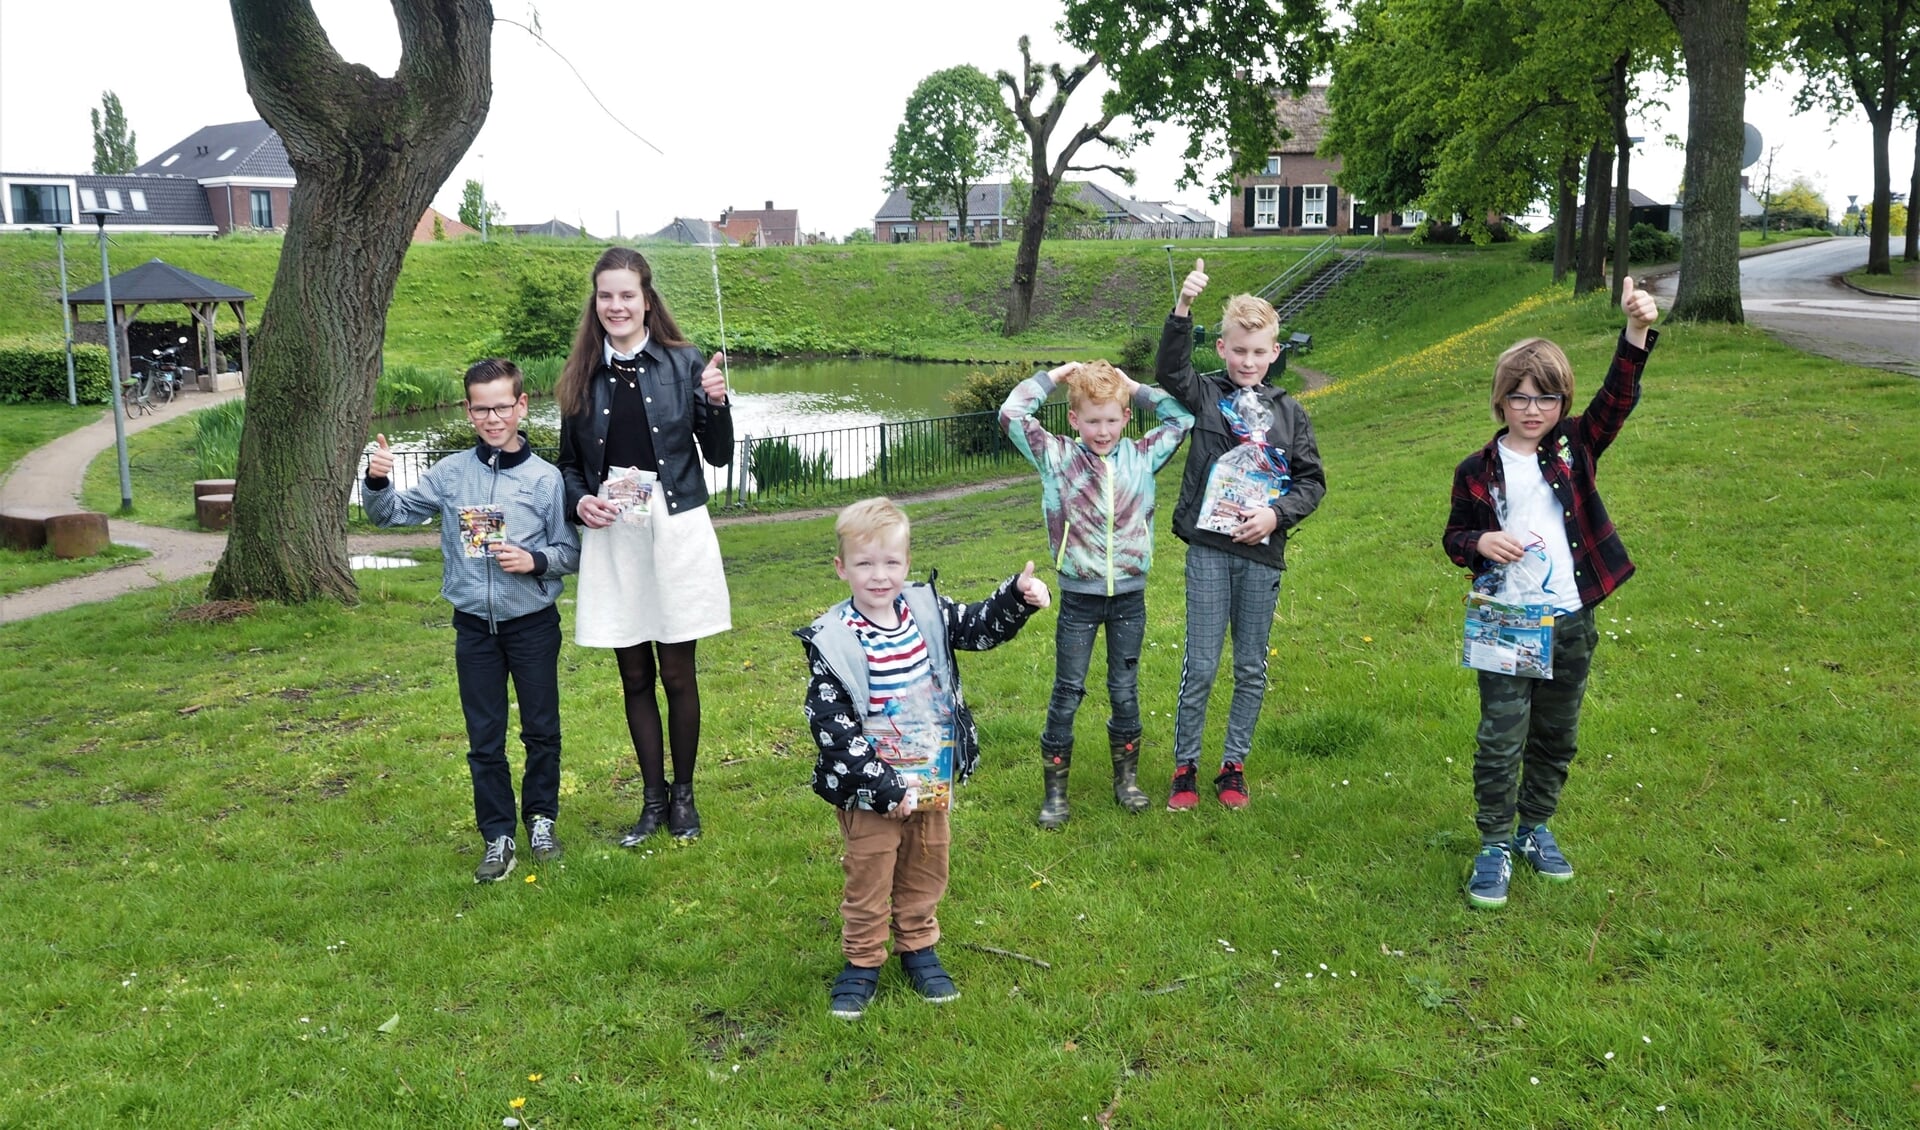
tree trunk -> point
(1565, 215)
(1912, 251)
(1880, 234)
(368, 154)
(1713, 41)
(1622, 196)
(1026, 261)
(1593, 223)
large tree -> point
(1864, 53)
(113, 142)
(954, 134)
(1714, 42)
(1209, 68)
(369, 152)
(1039, 122)
(476, 211)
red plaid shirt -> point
(1569, 457)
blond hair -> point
(1095, 382)
(1249, 313)
(1535, 357)
(870, 519)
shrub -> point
(543, 315)
(216, 439)
(1136, 356)
(1648, 244)
(36, 370)
(778, 465)
(977, 400)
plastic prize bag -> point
(1251, 475)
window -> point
(1414, 216)
(1313, 207)
(171, 158)
(41, 204)
(87, 203)
(225, 155)
(1266, 206)
(139, 199)
(1273, 166)
(262, 202)
(113, 199)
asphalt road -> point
(1797, 296)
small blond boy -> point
(891, 643)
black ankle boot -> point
(1053, 806)
(683, 820)
(1126, 768)
(653, 812)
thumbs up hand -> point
(1196, 281)
(1641, 310)
(1032, 589)
(380, 459)
(713, 380)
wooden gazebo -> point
(159, 282)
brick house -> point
(764, 227)
(1297, 192)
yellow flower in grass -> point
(532, 878)
(535, 1077)
(518, 1104)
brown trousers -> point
(896, 873)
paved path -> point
(51, 477)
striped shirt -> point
(896, 657)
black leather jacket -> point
(676, 412)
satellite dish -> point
(1750, 148)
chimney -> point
(769, 205)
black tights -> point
(674, 664)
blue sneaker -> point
(1536, 846)
(1492, 870)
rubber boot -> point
(1126, 768)
(683, 820)
(1053, 807)
(653, 813)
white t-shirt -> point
(1545, 574)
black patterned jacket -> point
(848, 773)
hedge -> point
(35, 370)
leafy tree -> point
(859, 235)
(369, 152)
(955, 132)
(475, 210)
(1864, 53)
(1716, 44)
(113, 147)
(1798, 205)
(439, 229)
(1070, 208)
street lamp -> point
(66, 312)
(113, 357)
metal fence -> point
(840, 463)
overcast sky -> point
(750, 101)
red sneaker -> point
(1186, 790)
(1231, 785)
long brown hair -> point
(589, 341)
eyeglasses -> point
(1518, 401)
(492, 411)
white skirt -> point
(659, 582)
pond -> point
(769, 397)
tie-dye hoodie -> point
(1099, 509)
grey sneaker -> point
(497, 864)
(1492, 871)
(1536, 845)
(546, 845)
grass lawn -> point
(1904, 280)
(21, 569)
(242, 852)
(24, 427)
(1757, 238)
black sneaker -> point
(546, 846)
(929, 977)
(497, 864)
(852, 991)
(1186, 788)
(1231, 785)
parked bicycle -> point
(155, 380)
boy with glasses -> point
(506, 541)
(1528, 521)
